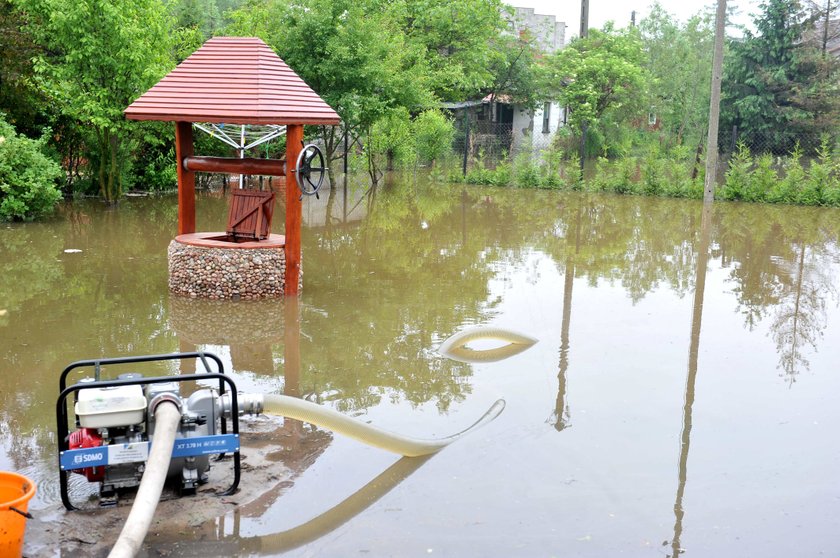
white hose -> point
(167, 418)
(455, 346)
(330, 419)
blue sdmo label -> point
(139, 451)
(81, 458)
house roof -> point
(235, 80)
(487, 99)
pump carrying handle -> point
(99, 362)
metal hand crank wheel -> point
(310, 177)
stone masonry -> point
(226, 274)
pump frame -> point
(62, 416)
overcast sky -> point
(600, 11)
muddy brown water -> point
(683, 397)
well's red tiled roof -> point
(236, 80)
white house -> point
(541, 124)
(496, 124)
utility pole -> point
(826, 21)
(714, 104)
(633, 18)
(584, 18)
(584, 31)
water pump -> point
(115, 426)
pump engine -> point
(115, 427)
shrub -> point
(737, 180)
(571, 176)
(600, 180)
(433, 134)
(552, 166)
(762, 179)
(677, 171)
(653, 183)
(479, 174)
(390, 136)
(785, 189)
(627, 175)
(526, 171)
(27, 176)
(818, 177)
(158, 172)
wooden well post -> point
(294, 210)
(186, 178)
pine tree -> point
(776, 89)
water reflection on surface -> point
(591, 456)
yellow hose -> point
(330, 419)
(455, 346)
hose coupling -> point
(248, 403)
(164, 396)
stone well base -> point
(203, 266)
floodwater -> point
(683, 396)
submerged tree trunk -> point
(114, 184)
(110, 185)
(101, 136)
(330, 144)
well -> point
(207, 265)
(236, 81)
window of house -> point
(547, 118)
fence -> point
(495, 141)
(491, 142)
(779, 142)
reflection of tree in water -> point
(409, 279)
(754, 247)
(801, 315)
(782, 267)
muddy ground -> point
(272, 454)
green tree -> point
(778, 88)
(518, 72)
(353, 54)
(457, 40)
(202, 15)
(679, 61)
(20, 100)
(601, 78)
(389, 138)
(98, 57)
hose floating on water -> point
(167, 418)
(330, 419)
(455, 346)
